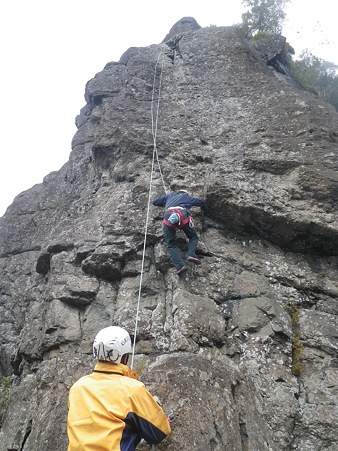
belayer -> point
(177, 215)
(110, 410)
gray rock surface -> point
(243, 347)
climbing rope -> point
(154, 123)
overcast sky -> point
(51, 48)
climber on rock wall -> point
(177, 215)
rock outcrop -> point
(244, 347)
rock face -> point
(244, 347)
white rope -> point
(154, 124)
(154, 133)
(143, 255)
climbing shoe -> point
(194, 260)
(181, 270)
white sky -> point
(51, 48)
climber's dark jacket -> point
(177, 199)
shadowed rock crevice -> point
(317, 236)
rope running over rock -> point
(154, 122)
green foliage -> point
(297, 354)
(4, 394)
(317, 75)
(4, 389)
(333, 96)
(263, 16)
(297, 347)
(260, 35)
(306, 70)
(163, 313)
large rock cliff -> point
(243, 347)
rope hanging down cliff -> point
(154, 123)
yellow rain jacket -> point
(110, 410)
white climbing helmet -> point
(111, 344)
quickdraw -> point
(172, 417)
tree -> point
(263, 17)
(307, 70)
(317, 75)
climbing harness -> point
(180, 223)
(154, 124)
